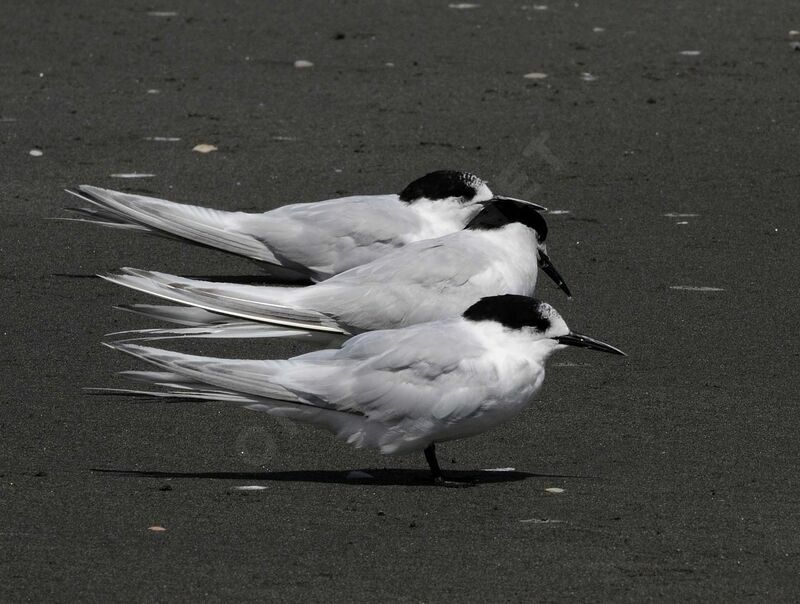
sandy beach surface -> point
(662, 136)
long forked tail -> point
(241, 382)
(199, 323)
(263, 304)
(199, 225)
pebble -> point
(204, 148)
(36, 152)
(535, 75)
(303, 64)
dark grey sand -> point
(679, 465)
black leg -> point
(436, 471)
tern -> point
(308, 241)
(398, 391)
(498, 252)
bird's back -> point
(329, 237)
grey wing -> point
(424, 281)
(435, 370)
(329, 237)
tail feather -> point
(233, 330)
(189, 316)
(108, 219)
(199, 225)
(179, 395)
(245, 383)
(264, 304)
(251, 378)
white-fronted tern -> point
(398, 391)
(497, 253)
(311, 241)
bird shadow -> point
(370, 476)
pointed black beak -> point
(582, 341)
(550, 271)
(534, 206)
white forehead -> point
(558, 326)
(482, 192)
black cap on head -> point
(441, 185)
(499, 213)
(512, 311)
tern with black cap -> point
(398, 391)
(309, 241)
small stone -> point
(36, 152)
(554, 490)
(303, 64)
(204, 148)
(156, 529)
(535, 75)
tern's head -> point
(461, 187)
(504, 211)
(533, 316)
(447, 184)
